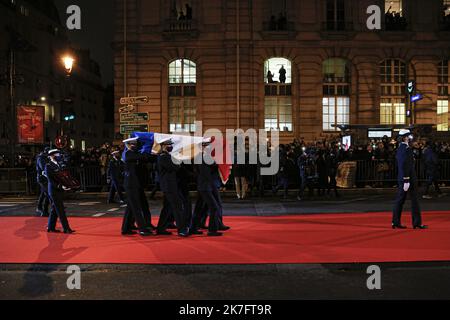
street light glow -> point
(68, 63)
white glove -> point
(406, 186)
(66, 189)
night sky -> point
(97, 31)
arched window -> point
(393, 74)
(336, 94)
(278, 94)
(182, 95)
(443, 96)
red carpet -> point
(326, 238)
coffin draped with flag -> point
(186, 147)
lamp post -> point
(68, 62)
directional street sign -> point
(126, 109)
(134, 100)
(416, 97)
(130, 128)
(134, 118)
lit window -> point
(446, 8)
(393, 6)
(278, 92)
(182, 95)
(393, 75)
(278, 114)
(392, 111)
(442, 115)
(336, 90)
(336, 111)
(280, 71)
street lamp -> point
(68, 64)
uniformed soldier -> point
(137, 205)
(44, 201)
(168, 182)
(301, 164)
(115, 176)
(407, 183)
(206, 187)
(56, 193)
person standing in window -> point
(282, 74)
(270, 77)
(188, 12)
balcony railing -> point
(175, 25)
(337, 26)
(277, 27)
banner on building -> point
(30, 124)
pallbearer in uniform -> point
(137, 205)
(407, 183)
(115, 175)
(56, 193)
(207, 187)
(169, 186)
(44, 201)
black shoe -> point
(196, 232)
(184, 233)
(171, 226)
(128, 233)
(399, 226)
(422, 227)
(224, 228)
(215, 234)
(69, 231)
(145, 233)
(163, 233)
(204, 227)
(53, 231)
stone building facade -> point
(210, 61)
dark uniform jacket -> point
(115, 170)
(41, 162)
(51, 172)
(431, 162)
(135, 169)
(167, 173)
(405, 163)
(206, 178)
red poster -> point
(30, 124)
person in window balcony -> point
(407, 183)
(282, 74)
(188, 12)
(270, 77)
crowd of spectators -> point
(303, 165)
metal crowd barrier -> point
(93, 178)
(13, 181)
(384, 172)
